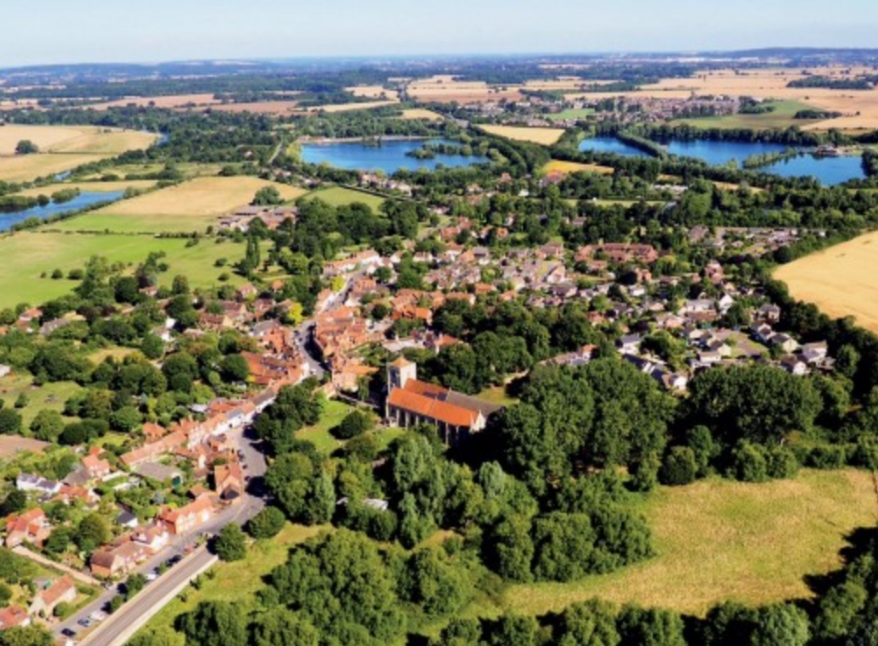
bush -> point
(826, 457)
(231, 544)
(680, 466)
(749, 462)
(782, 463)
(10, 421)
(267, 523)
(356, 423)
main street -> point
(153, 596)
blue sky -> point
(68, 31)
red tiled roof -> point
(431, 408)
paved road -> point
(254, 466)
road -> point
(254, 466)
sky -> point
(70, 31)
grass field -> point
(497, 395)
(372, 91)
(237, 582)
(350, 107)
(191, 206)
(559, 166)
(340, 196)
(782, 117)
(545, 136)
(333, 413)
(32, 253)
(90, 187)
(259, 107)
(721, 540)
(29, 167)
(841, 280)
(570, 114)
(74, 139)
(50, 396)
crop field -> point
(841, 280)
(445, 89)
(172, 101)
(570, 114)
(350, 107)
(372, 92)
(782, 117)
(29, 167)
(90, 187)
(44, 137)
(33, 253)
(545, 136)
(280, 108)
(340, 196)
(191, 206)
(560, 166)
(74, 139)
(719, 540)
(421, 113)
(859, 107)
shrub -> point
(680, 466)
(749, 462)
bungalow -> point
(62, 590)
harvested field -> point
(172, 101)
(559, 166)
(191, 206)
(444, 89)
(74, 139)
(420, 113)
(90, 187)
(43, 136)
(12, 444)
(29, 167)
(349, 107)
(841, 281)
(545, 136)
(279, 108)
(719, 540)
(372, 92)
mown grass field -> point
(340, 196)
(570, 114)
(49, 396)
(781, 117)
(559, 166)
(237, 582)
(544, 136)
(32, 253)
(841, 280)
(718, 540)
(191, 206)
(319, 435)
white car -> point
(152, 576)
(97, 616)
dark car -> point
(174, 560)
(68, 632)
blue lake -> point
(830, 171)
(389, 157)
(42, 212)
(610, 145)
(720, 153)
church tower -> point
(399, 372)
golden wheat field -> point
(350, 107)
(421, 113)
(719, 540)
(841, 280)
(545, 136)
(29, 167)
(372, 92)
(74, 139)
(191, 206)
(171, 101)
(559, 166)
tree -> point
(679, 467)
(215, 623)
(780, 624)
(591, 623)
(5, 594)
(234, 367)
(267, 196)
(10, 421)
(267, 523)
(33, 635)
(152, 346)
(15, 501)
(280, 627)
(47, 425)
(639, 627)
(93, 531)
(355, 423)
(231, 544)
(26, 147)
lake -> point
(389, 157)
(43, 212)
(830, 171)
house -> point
(14, 617)
(763, 333)
(109, 562)
(30, 526)
(411, 402)
(769, 313)
(62, 590)
(785, 342)
(814, 353)
(127, 519)
(629, 344)
(33, 483)
(794, 365)
(96, 468)
(229, 481)
(187, 518)
(154, 537)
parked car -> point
(174, 560)
(85, 622)
(151, 576)
(97, 616)
(68, 632)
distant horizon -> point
(59, 32)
